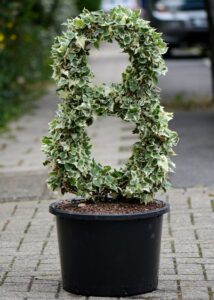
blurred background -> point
(27, 94)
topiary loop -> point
(134, 100)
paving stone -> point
(189, 249)
(38, 298)
(196, 260)
(206, 233)
(200, 283)
(188, 269)
(166, 263)
(198, 293)
(41, 295)
(168, 271)
(48, 268)
(210, 274)
(187, 277)
(157, 295)
(103, 298)
(30, 185)
(3, 297)
(209, 266)
(44, 287)
(15, 287)
(17, 279)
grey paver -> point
(193, 293)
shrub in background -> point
(88, 4)
(27, 28)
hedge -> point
(27, 28)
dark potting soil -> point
(108, 208)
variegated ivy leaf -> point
(163, 163)
(80, 41)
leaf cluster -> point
(134, 100)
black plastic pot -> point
(109, 255)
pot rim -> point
(104, 217)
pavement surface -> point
(195, 151)
(186, 79)
(29, 262)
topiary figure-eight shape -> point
(134, 100)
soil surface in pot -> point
(108, 208)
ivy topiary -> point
(135, 100)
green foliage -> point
(88, 4)
(135, 100)
(23, 54)
(27, 29)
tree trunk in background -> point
(210, 13)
